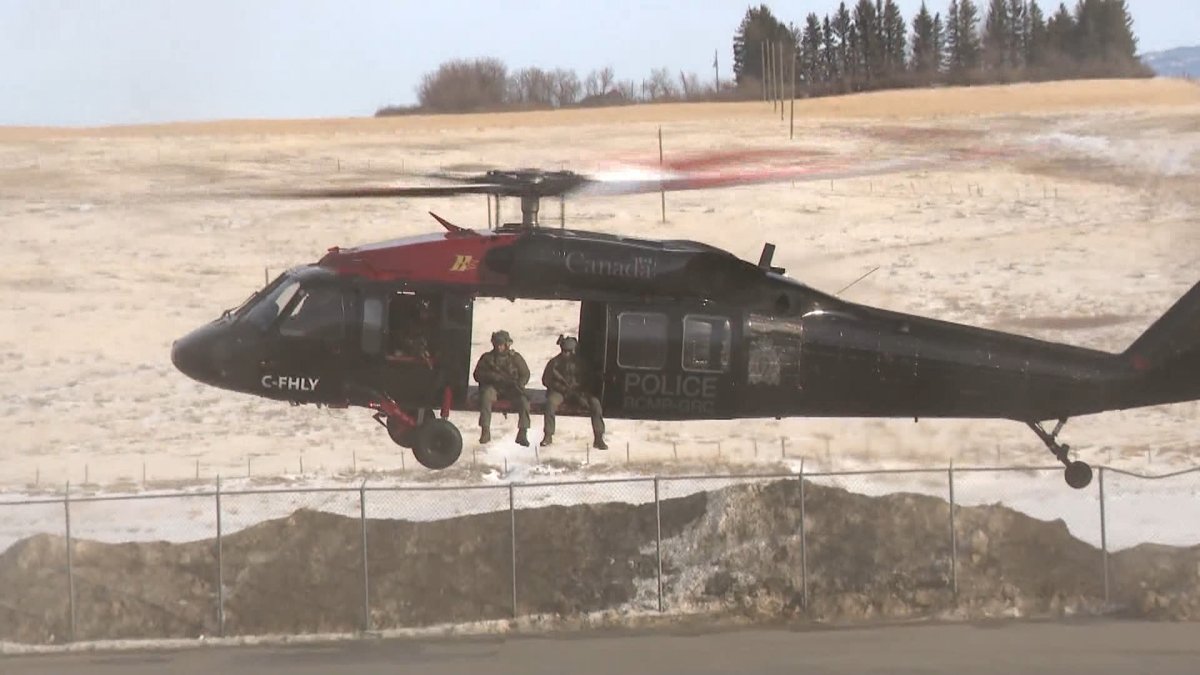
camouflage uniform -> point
(502, 374)
(568, 378)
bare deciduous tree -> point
(607, 79)
(628, 90)
(464, 85)
(661, 85)
(532, 87)
(591, 84)
(690, 85)
(566, 87)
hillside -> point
(1178, 62)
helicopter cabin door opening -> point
(671, 361)
(419, 343)
(584, 320)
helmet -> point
(501, 337)
(568, 343)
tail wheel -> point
(437, 444)
(1078, 475)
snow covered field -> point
(1085, 232)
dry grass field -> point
(1084, 231)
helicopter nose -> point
(192, 356)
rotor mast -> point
(529, 209)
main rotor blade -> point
(646, 180)
(382, 191)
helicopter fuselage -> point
(678, 330)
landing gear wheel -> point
(1078, 475)
(437, 444)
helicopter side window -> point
(267, 309)
(372, 329)
(706, 343)
(317, 314)
(641, 340)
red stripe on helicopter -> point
(446, 258)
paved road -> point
(1094, 648)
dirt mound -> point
(890, 557)
(734, 550)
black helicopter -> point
(678, 330)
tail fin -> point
(1173, 337)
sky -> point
(99, 62)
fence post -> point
(953, 536)
(366, 587)
(1103, 537)
(512, 519)
(220, 569)
(658, 542)
(662, 193)
(803, 543)
(70, 566)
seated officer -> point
(568, 378)
(502, 373)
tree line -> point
(873, 46)
(486, 84)
(869, 46)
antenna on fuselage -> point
(849, 285)
(765, 258)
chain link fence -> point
(370, 558)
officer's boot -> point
(522, 439)
(598, 442)
(485, 435)
(547, 439)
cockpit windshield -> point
(266, 308)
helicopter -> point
(676, 329)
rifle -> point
(510, 388)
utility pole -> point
(780, 91)
(762, 67)
(771, 74)
(792, 105)
(716, 71)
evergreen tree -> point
(829, 57)
(1018, 19)
(758, 26)
(954, 61)
(895, 38)
(924, 59)
(962, 38)
(997, 32)
(843, 31)
(1123, 40)
(939, 43)
(868, 56)
(1035, 46)
(810, 51)
(968, 30)
(1060, 38)
(1104, 32)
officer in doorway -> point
(502, 373)
(568, 378)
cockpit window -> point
(315, 313)
(268, 307)
(241, 309)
